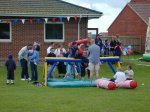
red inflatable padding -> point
(83, 41)
(105, 84)
(127, 84)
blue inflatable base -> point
(70, 83)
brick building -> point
(43, 21)
(132, 21)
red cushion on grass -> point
(111, 86)
(133, 84)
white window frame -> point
(7, 40)
(54, 40)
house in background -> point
(25, 21)
(132, 21)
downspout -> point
(79, 27)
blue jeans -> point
(24, 66)
(34, 71)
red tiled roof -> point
(142, 10)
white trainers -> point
(28, 79)
(22, 79)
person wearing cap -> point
(11, 67)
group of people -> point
(29, 53)
(107, 48)
(89, 54)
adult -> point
(112, 46)
(94, 53)
(49, 48)
(23, 58)
(98, 41)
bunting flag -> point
(68, 18)
(53, 19)
(38, 20)
(7, 21)
(23, 21)
(80, 16)
(61, 19)
(75, 18)
(31, 21)
(15, 21)
(46, 20)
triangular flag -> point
(68, 18)
(75, 18)
(23, 21)
(61, 19)
(38, 20)
(53, 19)
(80, 16)
(31, 21)
(46, 20)
(7, 21)
(15, 21)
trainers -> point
(22, 79)
(28, 79)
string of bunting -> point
(38, 20)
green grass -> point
(25, 97)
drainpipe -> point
(79, 27)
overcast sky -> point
(110, 9)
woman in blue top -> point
(34, 60)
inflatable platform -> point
(70, 83)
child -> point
(84, 64)
(51, 54)
(106, 48)
(34, 59)
(11, 66)
(70, 67)
(119, 76)
(118, 50)
(129, 73)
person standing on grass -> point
(34, 60)
(23, 58)
(11, 66)
(94, 53)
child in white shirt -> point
(119, 76)
(129, 72)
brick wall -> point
(23, 34)
(128, 23)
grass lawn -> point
(26, 97)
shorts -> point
(92, 66)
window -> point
(54, 32)
(5, 32)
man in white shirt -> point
(23, 58)
(49, 48)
